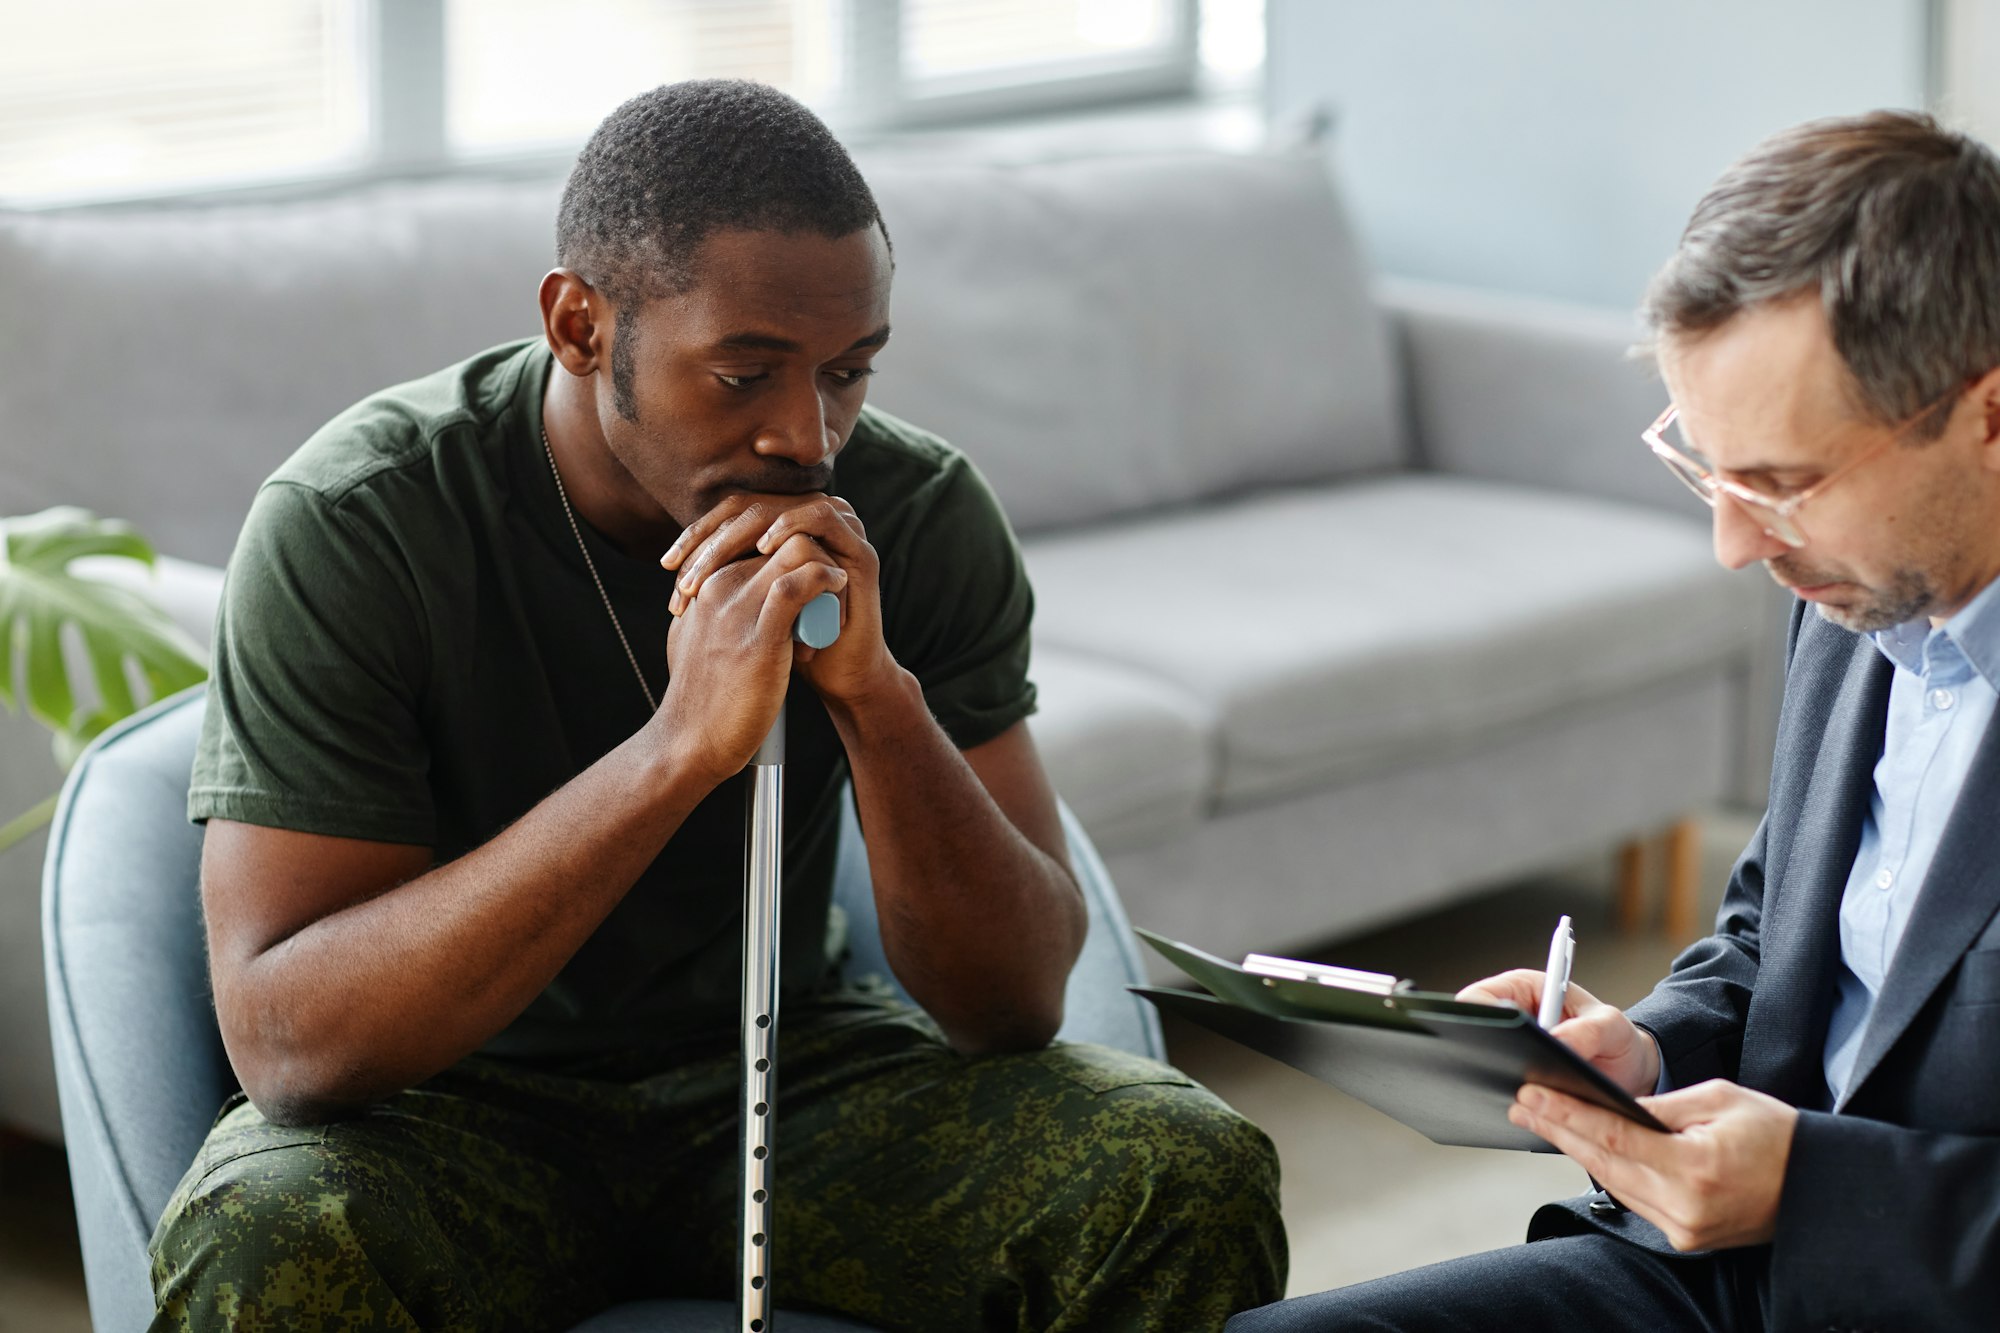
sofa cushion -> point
(1107, 335)
(159, 363)
(1132, 753)
(1385, 621)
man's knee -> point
(1160, 1122)
(1159, 1154)
(1194, 1156)
(283, 1234)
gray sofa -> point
(1351, 597)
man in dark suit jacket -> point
(1829, 1060)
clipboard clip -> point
(1326, 974)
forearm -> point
(382, 994)
(1699, 1010)
(1697, 1014)
(981, 925)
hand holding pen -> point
(1599, 1032)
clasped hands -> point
(1712, 1183)
(744, 571)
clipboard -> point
(1445, 1067)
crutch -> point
(763, 873)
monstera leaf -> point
(42, 602)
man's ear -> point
(576, 320)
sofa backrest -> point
(1113, 334)
(1102, 335)
(157, 364)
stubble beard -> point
(1932, 563)
(1907, 595)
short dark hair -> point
(1891, 218)
(673, 166)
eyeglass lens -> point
(1687, 463)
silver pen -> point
(1555, 981)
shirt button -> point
(1884, 878)
(1943, 698)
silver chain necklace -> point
(591, 565)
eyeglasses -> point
(1777, 515)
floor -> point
(41, 1275)
(1363, 1195)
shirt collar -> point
(1975, 629)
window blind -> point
(942, 38)
(107, 93)
(521, 72)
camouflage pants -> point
(1076, 1188)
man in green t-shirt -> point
(495, 649)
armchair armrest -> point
(1519, 389)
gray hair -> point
(1892, 218)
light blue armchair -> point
(140, 1065)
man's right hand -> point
(1613, 1044)
(730, 654)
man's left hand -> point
(1711, 1184)
(859, 662)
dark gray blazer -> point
(1891, 1210)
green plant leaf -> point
(119, 629)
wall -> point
(1969, 44)
(1557, 146)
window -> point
(104, 96)
(967, 57)
(501, 58)
(942, 38)
(123, 98)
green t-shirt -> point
(410, 649)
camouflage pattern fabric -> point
(1075, 1188)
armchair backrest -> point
(139, 1063)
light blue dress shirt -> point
(1942, 697)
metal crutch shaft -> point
(763, 879)
(761, 884)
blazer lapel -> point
(1960, 894)
(1784, 1039)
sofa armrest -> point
(1539, 392)
(1543, 393)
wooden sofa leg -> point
(1683, 879)
(1631, 902)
